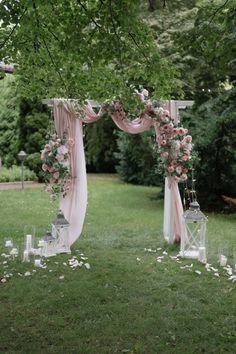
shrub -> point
(13, 174)
(213, 126)
(137, 158)
(100, 145)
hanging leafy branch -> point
(77, 49)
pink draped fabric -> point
(177, 209)
(75, 202)
(69, 116)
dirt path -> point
(18, 185)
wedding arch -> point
(174, 147)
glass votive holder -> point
(8, 243)
(14, 252)
(29, 235)
(223, 255)
(26, 256)
(38, 261)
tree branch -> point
(91, 18)
(137, 45)
(13, 30)
(116, 34)
(47, 48)
(218, 10)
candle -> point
(26, 256)
(202, 254)
(28, 242)
(223, 260)
(8, 243)
(41, 243)
(37, 262)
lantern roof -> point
(60, 220)
(194, 213)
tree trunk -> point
(152, 5)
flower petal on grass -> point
(27, 274)
(187, 266)
(233, 278)
(87, 265)
(198, 272)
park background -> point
(128, 301)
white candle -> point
(26, 256)
(37, 262)
(223, 260)
(28, 242)
(202, 254)
(41, 243)
(8, 243)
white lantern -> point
(193, 242)
(60, 231)
(50, 245)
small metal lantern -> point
(193, 242)
(60, 231)
(50, 245)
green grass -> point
(127, 302)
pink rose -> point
(178, 169)
(71, 142)
(60, 157)
(175, 131)
(145, 93)
(164, 154)
(62, 150)
(163, 142)
(166, 112)
(47, 147)
(188, 139)
(45, 167)
(51, 169)
(174, 163)
(183, 177)
(181, 131)
(170, 169)
(56, 175)
(185, 157)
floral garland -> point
(174, 143)
(175, 146)
(56, 165)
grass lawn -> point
(127, 302)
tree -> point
(9, 114)
(100, 145)
(137, 162)
(82, 49)
(33, 124)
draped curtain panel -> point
(68, 116)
